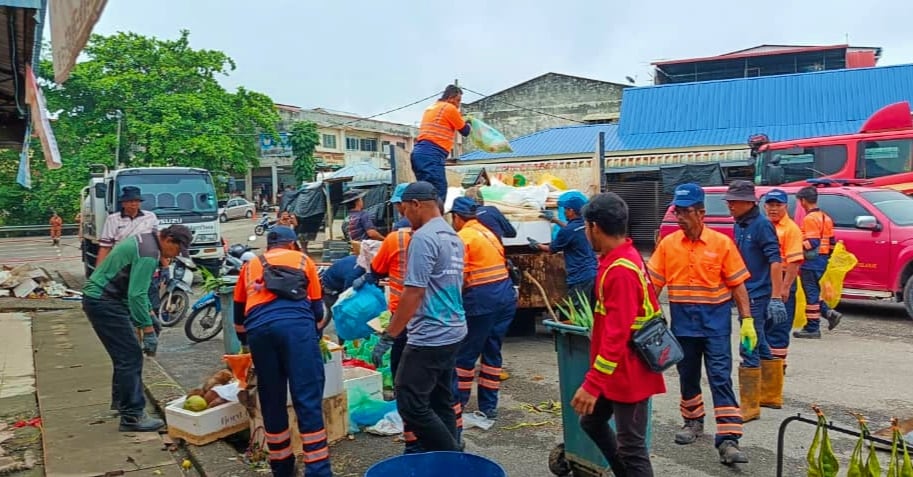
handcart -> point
(578, 455)
(781, 435)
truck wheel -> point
(908, 297)
(557, 462)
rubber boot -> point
(772, 372)
(750, 393)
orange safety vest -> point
(391, 261)
(439, 124)
(254, 288)
(818, 225)
(484, 257)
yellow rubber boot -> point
(772, 372)
(750, 393)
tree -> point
(173, 112)
(304, 140)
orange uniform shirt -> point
(790, 238)
(391, 261)
(251, 290)
(439, 124)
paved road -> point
(863, 366)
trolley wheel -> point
(557, 462)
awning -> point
(71, 24)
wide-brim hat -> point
(353, 195)
(130, 193)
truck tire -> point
(908, 297)
(89, 254)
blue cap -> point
(397, 196)
(280, 235)
(776, 195)
(572, 200)
(464, 207)
(686, 195)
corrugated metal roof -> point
(552, 142)
(784, 107)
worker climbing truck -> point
(177, 195)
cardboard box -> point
(332, 371)
(367, 380)
(335, 421)
(199, 428)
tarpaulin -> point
(702, 174)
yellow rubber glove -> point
(748, 335)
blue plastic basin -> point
(436, 464)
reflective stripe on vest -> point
(647, 307)
(826, 231)
(396, 277)
(493, 266)
(257, 294)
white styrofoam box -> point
(369, 381)
(540, 230)
(209, 425)
(332, 371)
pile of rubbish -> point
(26, 281)
(12, 456)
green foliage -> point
(304, 140)
(173, 110)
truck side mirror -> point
(775, 175)
(867, 222)
(100, 190)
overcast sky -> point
(367, 57)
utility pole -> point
(120, 119)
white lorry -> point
(177, 195)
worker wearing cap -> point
(756, 239)
(284, 346)
(491, 216)
(579, 260)
(817, 243)
(390, 262)
(789, 237)
(431, 306)
(440, 122)
(116, 301)
(703, 271)
(490, 303)
(397, 200)
(359, 225)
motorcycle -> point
(265, 223)
(175, 292)
(205, 320)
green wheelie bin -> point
(578, 455)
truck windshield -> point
(896, 206)
(175, 193)
(797, 164)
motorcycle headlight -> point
(203, 238)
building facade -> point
(344, 139)
(547, 101)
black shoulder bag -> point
(284, 281)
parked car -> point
(875, 224)
(235, 209)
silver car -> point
(235, 209)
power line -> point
(390, 111)
(523, 108)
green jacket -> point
(126, 275)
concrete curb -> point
(217, 459)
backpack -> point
(284, 281)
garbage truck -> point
(177, 195)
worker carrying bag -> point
(284, 281)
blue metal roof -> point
(552, 142)
(727, 112)
(784, 107)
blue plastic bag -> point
(355, 309)
(486, 137)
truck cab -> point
(177, 195)
(875, 224)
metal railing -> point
(34, 230)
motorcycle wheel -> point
(173, 308)
(203, 324)
(258, 230)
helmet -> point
(237, 250)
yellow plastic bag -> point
(799, 318)
(840, 263)
(556, 182)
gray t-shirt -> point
(435, 263)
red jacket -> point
(617, 372)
